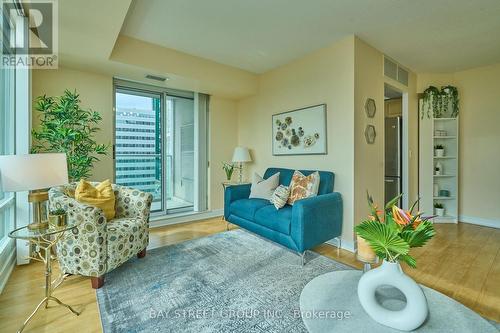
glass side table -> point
(44, 240)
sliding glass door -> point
(155, 145)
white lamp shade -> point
(32, 172)
(241, 154)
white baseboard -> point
(479, 221)
(155, 222)
(6, 270)
(346, 245)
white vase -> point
(390, 274)
(439, 152)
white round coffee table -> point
(329, 303)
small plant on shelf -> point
(439, 150)
(439, 209)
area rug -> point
(228, 282)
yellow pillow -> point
(101, 196)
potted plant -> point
(439, 150)
(439, 209)
(57, 217)
(228, 169)
(391, 233)
(66, 127)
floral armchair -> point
(97, 246)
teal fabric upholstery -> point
(306, 224)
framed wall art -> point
(300, 132)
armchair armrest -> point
(233, 193)
(133, 203)
(316, 220)
(83, 250)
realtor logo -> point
(30, 34)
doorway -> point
(393, 143)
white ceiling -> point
(259, 35)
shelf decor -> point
(442, 102)
(300, 132)
(439, 138)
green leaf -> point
(409, 260)
(382, 238)
(392, 202)
(420, 236)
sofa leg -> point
(339, 240)
(141, 254)
(303, 257)
(97, 281)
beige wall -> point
(223, 122)
(96, 92)
(479, 150)
(325, 76)
(368, 158)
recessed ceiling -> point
(259, 35)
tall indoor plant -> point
(391, 233)
(66, 127)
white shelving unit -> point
(448, 179)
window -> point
(7, 109)
(155, 147)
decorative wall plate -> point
(370, 134)
(370, 107)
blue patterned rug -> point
(228, 282)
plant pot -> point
(57, 220)
(439, 152)
(390, 274)
(437, 172)
(364, 252)
(439, 211)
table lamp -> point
(240, 156)
(34, 173)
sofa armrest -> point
(316, 220)
(233, 193)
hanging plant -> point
(432, 102)
(439, 101)
(450, 96)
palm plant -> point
(391, 233)
(65, 127)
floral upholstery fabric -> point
(97, 246)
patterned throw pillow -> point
(280, 196)
(302, 187)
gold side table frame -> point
(43, 241)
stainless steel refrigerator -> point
(392, 157)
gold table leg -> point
(47, 259)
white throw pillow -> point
(264, 188)
(280, 196)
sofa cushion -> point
(246, 208)
(277, 220)
(325, 184)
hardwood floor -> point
(462, 261)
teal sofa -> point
(306, 224)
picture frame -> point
(300, 132)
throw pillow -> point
(264, 188)
(101, 196)
(302, 187)
(280, 196)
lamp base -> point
(38, 226)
